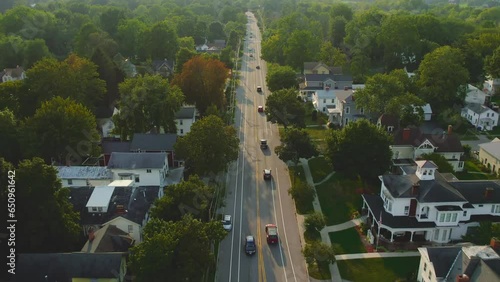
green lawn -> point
(348, 241)
(471, 166)
(338, 198)
(297, 174)
(383, 269)
(320, 168)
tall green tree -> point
(9, 130)
(61, 130)
(492, 64)
(183, 55)
(33, 51)
(215, 31)
(302, 46)
(315, 221)
(192, 196)
(209, 147)
(146, 102)
(295, 144)
(440, 75)
(283, 107)
(175, 251)
(332, 56)
(161, 41)
(319, 254)
(110, 74)
(110, 19)
(337, 30)
(349, 149)
(280, 77)
(129, 36)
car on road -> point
(263, 144)
(257, 67)
(227, 222)
(260, 109)
(250, 247)
(251, 55)
(259, 88)
(271, 233)
(267, 174)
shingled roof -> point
(443, 141)
(137, 160)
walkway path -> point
(325, 238)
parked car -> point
(263, 144)
(259, 88)
(257, 67)
(267, 174)
(271, 233)
(260, 109)
(250, 247)
(227, 223)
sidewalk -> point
(377, 255)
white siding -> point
(124, 225)
(154, 178)
(184, 126)
(402, 152)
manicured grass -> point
(383, 269)
(320, 168)
(338, 198)
(317, 132)
(348, 242)
(297, 174)
(473, 172)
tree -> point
(332, 56)
(301, 46)
(272, 49)
(441, 162)
(61, 130)
(315, 221)
(303, 194)
(11, 96)
(482, 234)
(39, 192)
(33, 51)
(187, 42)
(74, 77)
(202, 81)
(440, 75)
(9, 130)
(192, 196)
(492, 64)
(112, 76)
(337, 30)
(295, 144)
(183, 55)
(349, 148)
(215, 31)
(209, 147)
(280, 77)
(175, 251)
(110, 19)
(283, 107)
(161, 41)
(129, 35)
(146, 102)
(11, 48)
(319, 253)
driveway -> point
(474, 144)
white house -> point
(475, 95)
(184, 119)
(427, 112)
(325, 101)
(420, 205)
(315, 82)
(489, 155)
(134, 229)
(146, 169)
(482, 117)
(100, 199)
(411, 143)
(12, 74)
(461, 263)
(79, 176)
(104, 118)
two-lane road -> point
(252, 201)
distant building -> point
(13, 74)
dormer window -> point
(430, 172)
(425, 172)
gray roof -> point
(137, 160)
(474, 191)
(492, 148)
(442, 258)
(323, 77)
(477, 108)
(63, 267)
(186, 113)
(153, 142)
(109, 147)
(84, 172)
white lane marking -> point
(284, 231)
(279, 241)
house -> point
(164, 67)
(475, 95)
(411, 143)
(420, 206)
(388, 122)
(78, 176)
(145, 169)
(100, 199)
(13, 74)
(67, 267)
(184, 119)
(480, 116)
(113, 146)
(489, 155)
(104, 117)
(325, 101)
(320, 68)
(491, 85)
(350, 112)
(145, 142)
(215, 47)
(125, 65)
(125, 225)
(427, 111)
(461, 263)
(108, 239)
(315, 82)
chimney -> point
(415, 189)
(462, 278)
(450, 129)
(495, 243)
(406, 134)
(488, 193)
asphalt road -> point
(252, 201)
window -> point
(436, 235)
(444, 238)
(425, 172)
(180, 122)
(137, 178)
(333, 100)
(390, 206)
(347, 110)
(94, 209)
(448, 217)
(362, 110)
(465, 213)
(407, 210)
(495, 208)
(70, 181)
(182, 131)
(441, 217)
(425, 266)
(430, 172)
(390, 128)
(130, 228)
(430, 274)
(324, 100)
(481, 206)
(99, 209)
(148, 170)
(454, 218)
(346, 121)
(460, 164)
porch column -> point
(411, 237)
(364, 204)
(392, 236)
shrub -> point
(314, 115)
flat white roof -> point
(122, 183)
(101, 196)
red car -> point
(271, 234)
(260, 109)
